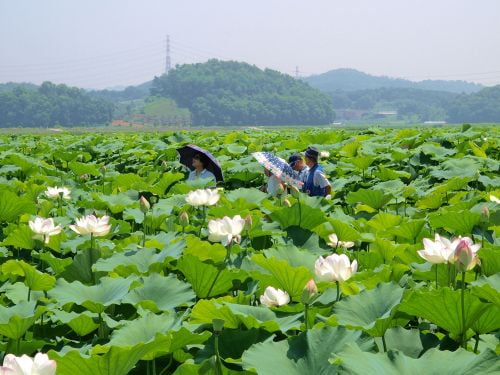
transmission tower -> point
(168, 63)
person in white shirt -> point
(199, 171)
(274, 185)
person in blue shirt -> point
(301, 169)
(316, 183)
(199, 171)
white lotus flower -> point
(274, 297)
(324, 154)
(333, 241)
(203, 197)
(24, 365)
(335, 267)
(438, 251)
(55, 192)
(494, 199)
(90, 224)
(226, 230)
(44, 228)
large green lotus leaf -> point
(235, 149)
(488, 322)
(207, 280)
(57, 265)
(282, 275)
(408, 230)
(133, 261)
(34, 279)
(166, 181)
(490, 260)
(439, 152)
(204, 250)
(16, 320)
(376, 199)
(387, 174)
(160, 293)
(488, 288)
(407, 341)
(235, 315)
(145, 329)
(442, 307)
(116, 361)
(82, 323)
(309, 353)
(12, 206)
(456, 222)
(463, 167)
(343, 230)
(21, 237)
(384, 221)
(356, 361)
(232, 343)
(370, 310)
(253, 196)
(361, 161)
(95, 298)
(84, 168)
(294, 256)
(433, 200)
(300, 214)
(129, 181)
(117, 202)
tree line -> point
(52, 105)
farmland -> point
(124, 270)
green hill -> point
(234, 93)
(351, 79)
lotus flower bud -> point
(280, 189)
(103, 169)
(485, 213)
(248, 222)
(144, 204)
(184, 219)
(310, 292)
(218, 324)
(286, 203)
(164, 165)
(294, 191)
(466, 255)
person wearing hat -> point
(297, 163)
(316, 183)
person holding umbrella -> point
(316, 183)
(201, 163)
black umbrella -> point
(211, 164)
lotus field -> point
(112, 263)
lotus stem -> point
(218, 363)
(437, 265)
(338, 291)
(144, 231)
(91, 257)
(464, 333)
(384, 343)
(306, 315)
(476, 343)
(204, 210)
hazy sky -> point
(105, 43)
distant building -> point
(435, 122)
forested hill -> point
(51, 105)
(234, 93)
(351, 79)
